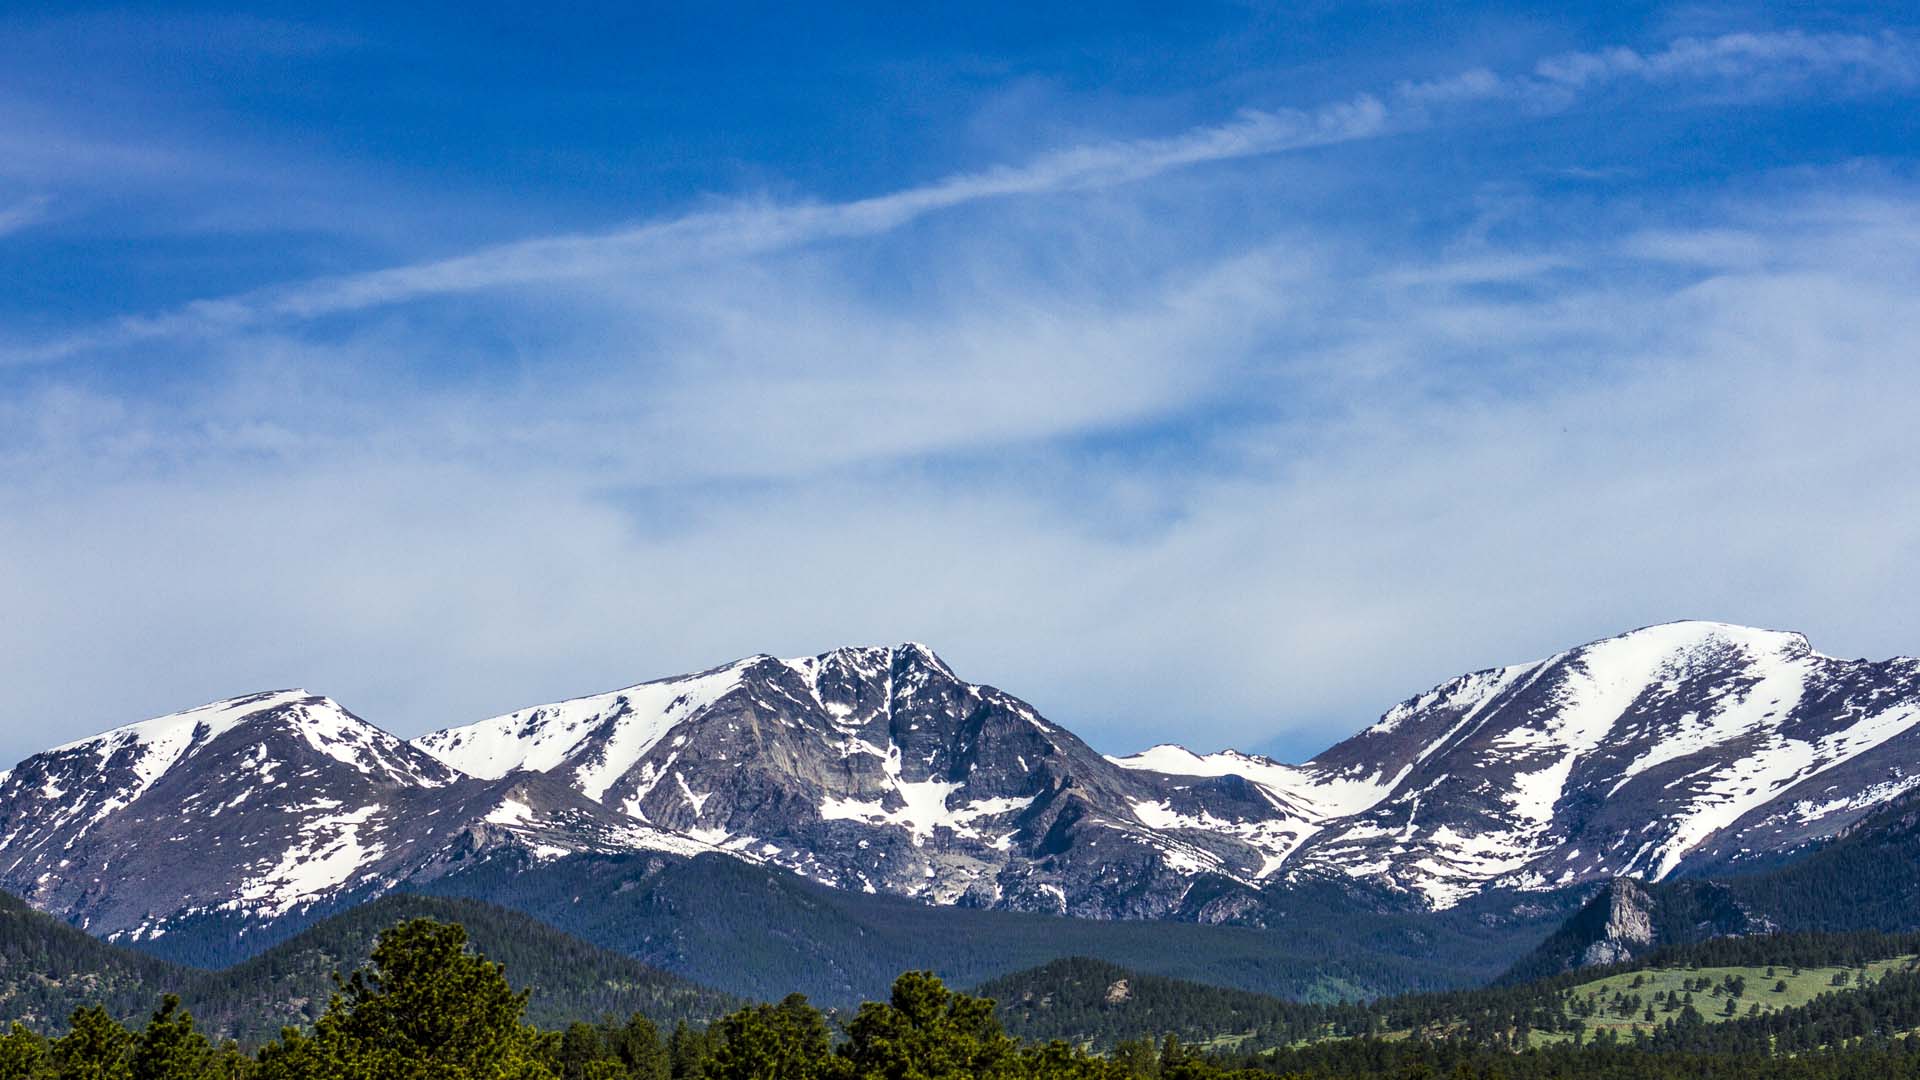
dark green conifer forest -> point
(427, 1005)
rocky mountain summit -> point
(1671, 749)
(1675, 748)
(258, 805)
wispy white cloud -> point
(24, 213)
(1673, 454)
(1744, 65)
(1762, 62)
(737, 232)
(1161, 475)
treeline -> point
(290, 983)
(1880, 1014)
(1869, 879)
(1100, 1004)
(428, 1007)
(1506, 1016)
(47, 968)
(1866, 880)
(1374, 1059)
(840, 947)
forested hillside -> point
(426, 1005)
(567, 979)
(48, 968)
(1783, 983)
(778, 933)
(1091, 1002)
(1866, 880)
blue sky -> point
(1222, 376)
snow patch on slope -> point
(923, 806)
(1750, 782)
(329, 853)
(1314, 794)
(151, 748)
(1599, 695)
(545, 737)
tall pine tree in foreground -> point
(926, 1031)
(23, 1052)
(95, 1047)
(171, 1048)
(788, 1041)
(426, 1008)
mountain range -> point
(1661, 754)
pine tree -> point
(424, 1009)
(22, 1053)
(95, 1047)
(788, 1041)
(295, 1056)
(1172, 1054)
(928, 1032)
(688, 1051)
(229, 1063)
(580, 1047)
(171, 1048)
(640, 1050)
(1137, 1058)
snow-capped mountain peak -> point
(1669, 748)
(92, 779)
(176, 730)
(1635, 754)
(598, 736)
(604, 739)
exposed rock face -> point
(1626, 919)
(260, 804)
(1667, 750)
(1628, 928)
(1647, 755)
(876, 769)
